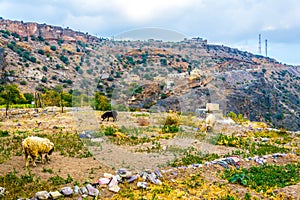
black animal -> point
(109, 114)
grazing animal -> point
(34, 146)
(210, 121)
(109, 114)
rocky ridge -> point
(150, 74)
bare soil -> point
(108, 157)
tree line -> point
(11, 95)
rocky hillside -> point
(150, 74)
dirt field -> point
(108, 155)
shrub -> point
(44, 79)
(89, 71)
(4, 133)
(53, 48)
(262, 178)
(41, 51)
(172, 119)
(32, 37)
(40, 38)
(64, 59)
(23, 82)
(32, 59)
(101, 102)
(110, 131)
(60, 41)
(237, 118)
(45, 68)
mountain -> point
(151, 74)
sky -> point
(234, 23)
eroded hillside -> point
(150, 74)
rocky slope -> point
(150, 74)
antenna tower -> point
(266, 42)
(259, 43)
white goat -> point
(210, 121)
(34, 146)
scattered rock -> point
(76, 189)
(55, 195)
(103, 181)
(131, 179)
(113, 185)
(83, 191)
(107, 175)
(143, 185)
(124, 173)
(92, 191)
(42, 195)
(2, 190)
(67, 191)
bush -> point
(40, 38)
(89, 71)
(172, 119)
(237, 118)
(110, 131)
(23, 82)
(32, 59)
(64, 59)
(44, 79)
(53, 48)
(60, 41)
(45, 68)
(101, 102)
(41, 51)
(4, 133)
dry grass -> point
(143, 121)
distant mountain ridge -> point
(150, 74)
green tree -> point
(101, 102)
(10, 94)
(16, 97)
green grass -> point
(4, 133)
(18, 106)
(265, 177)
(193, 158)
(27, 184)
(251, 148)
(68, 144)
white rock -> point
(55, 195)
(42, 195)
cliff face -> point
(48, 32)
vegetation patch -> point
(266, 177)
(193, 186)
(189, 158)
(24, 185)
(251, 148)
